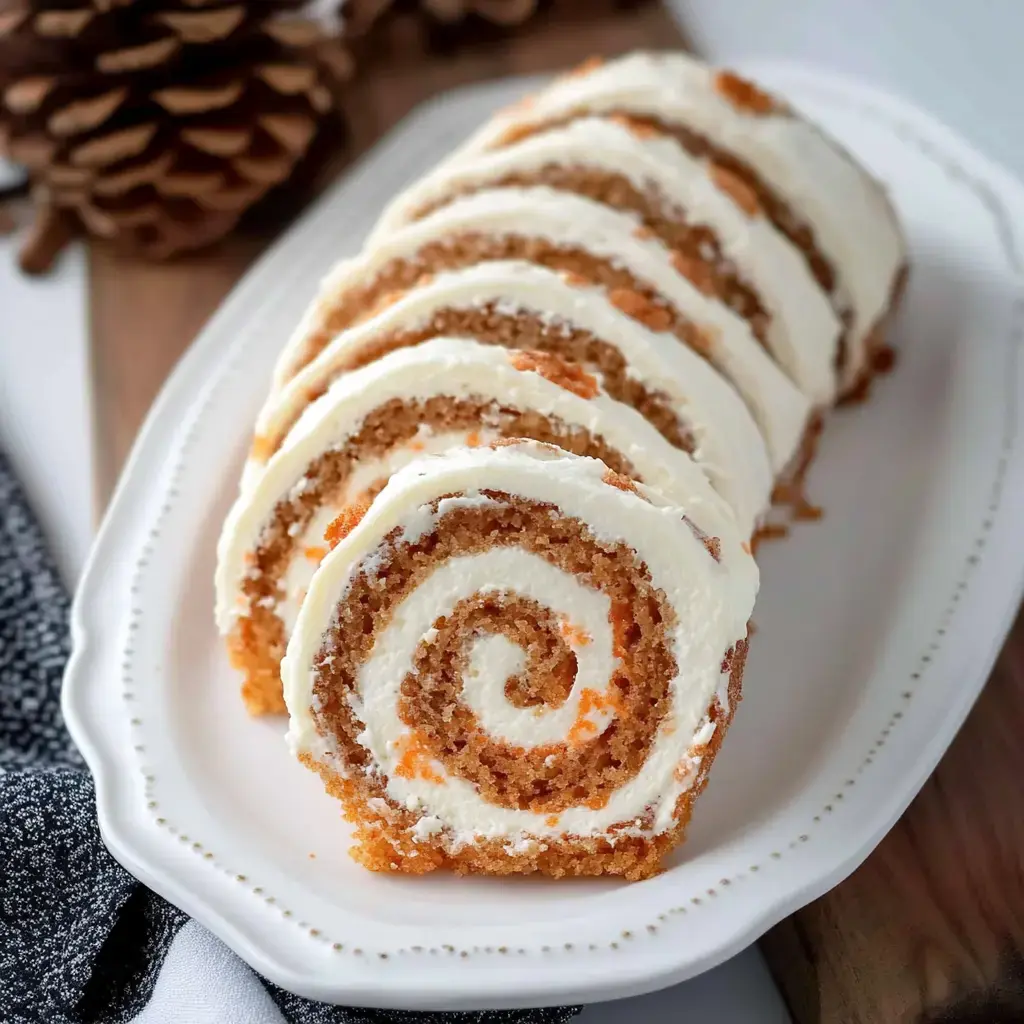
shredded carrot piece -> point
(414, 760)
(571, 278)
(565, 374)
(591, 701)
(350, 517)
(590, 64)
(575, 635)
(316, 553)
(516, 133)
(623, 483)
(744, 95)
(262, 448)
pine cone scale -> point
(27, 95)
(198, 99)
(203, 26)
(292, 131)
(195, 185)
(217, 141)
(62, 177)
(113, 147)
(287, 79)
(11, 21)
(62, 24)
(34, 151)
(134, 176)
(87, 114)
(138, 58)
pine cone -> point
(157, 123)
(501, 12)
(361, 14)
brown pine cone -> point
(157, 123)
(501, 12)
(361, 14)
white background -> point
(960, 60)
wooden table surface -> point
(931, 927)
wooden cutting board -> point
(931, 927)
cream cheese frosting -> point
(448, 367)
(563, 219)
(804, 328)
(729, 447)
(711, 600)
(848, 210)
(309, 546)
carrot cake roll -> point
(517, 661)
(412, 402)
(576, 235)
(807, 185)
(712, 222)
(520, 305)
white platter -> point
(877, 628)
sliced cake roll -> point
(519, 661)
(576, 235)
(806, 184)
(520, 305)
(710, 220)
(409, 403)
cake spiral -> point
(373, 421)
(492, 549)
(517, 660)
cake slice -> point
(519, 661)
